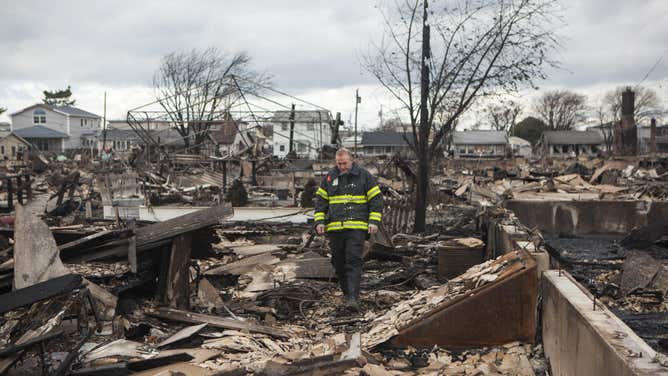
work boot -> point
(352, 304)
(343, 283)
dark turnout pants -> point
(346, 248)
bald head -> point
(344, 160)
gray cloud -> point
(307, 45)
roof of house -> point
(65, 110)
(518, 141)
(73, 111)
(479, 138)
(39, 131)
(3, 135)
(309, 116)
(225, 133)
(572, 137)
(385, 138)
(114, 134)
(168, 137)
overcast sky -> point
(311, 47)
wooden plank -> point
(177, 288)
(215, 321)
(318, 268)
(39, 291)
(244, 265)
(181, 225)
(85, 239)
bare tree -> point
(479, 47)
(503, 116)
(603, 115)
(647, 103)
(561, 109)
(197, 87)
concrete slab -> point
(582, 340)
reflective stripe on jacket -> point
(348, 201)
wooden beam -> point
(215, 321)
(177, 287)
(39, 291)
(181, 225)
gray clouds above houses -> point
(309, 46)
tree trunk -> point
(421, 193)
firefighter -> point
(349, 207)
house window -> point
(13, 151)
(2, 149)
(81, 122)
(301, 147)
(462, 150)
(281, 148)
(39, 116)
(284, 126)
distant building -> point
(146, 124)
(45, 125)
(43, 138)
(644, 134)
(117, 140)
(12, 146)
(570, 144)
(520, 147)
(385, 143)
(311, 132)
(479, 144)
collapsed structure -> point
(161, 262)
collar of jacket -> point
(355, 170)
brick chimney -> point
(626, 133)
(652, 137)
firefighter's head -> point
(344, 160)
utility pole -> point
(380, 115)
(292, 129)
(358, 100)
(104, 124)
(422, 141)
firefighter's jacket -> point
(348, 201)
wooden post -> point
(10, 194)
(28, 187)
(19, 190)
(224, 176)
(177, 288)
(132, 247)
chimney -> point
(652, 137)
(627, 133)
(628, 103)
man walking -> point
(348, 207)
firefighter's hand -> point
(320, 229)
(373, 228)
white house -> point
(311, 132)
(55, 128)
(479, 144)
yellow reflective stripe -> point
(347, 199)
(333, 226)
(347, 225)
(322, 193)
(373, 192)
(376, 216)
(319, 216)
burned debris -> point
(204, 259)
